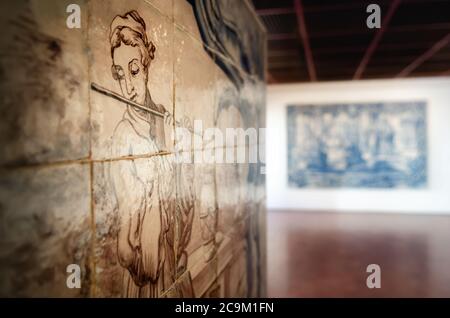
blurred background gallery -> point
(358, 148)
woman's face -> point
(131, 74)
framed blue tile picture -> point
(357, 145)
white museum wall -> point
(435, 198)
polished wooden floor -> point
(317, 254)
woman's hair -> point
(129, 29)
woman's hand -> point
(168, 118)
(186, 122)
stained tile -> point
(43, 91)
(144, 74)
(45, 215)
(135, 224)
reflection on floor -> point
(317, 254)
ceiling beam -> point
(420, 27)
(430, 73)
(425, 56)
(334, 7)
(376, 40)
(393, 61)
(278, 53)
(305, 39)
(281, 36)
(349, 32)
(313, 8)
(381, 47)
(274, 11)
(285, 64)
(339, 7)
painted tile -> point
(262, 249)
(232, 195)
(203, 275)
(108, 271)
(43, 91)
(238, 271)
(228, 114)
(232, 278)
(256, 251)
(163, 6)
(229, 249)
(142, 73)
(228, 27)
(45, 228)
(195, 77)
(197, 225)
(237, 108)
(184, 18)
(237, 44)
(182, 288)
(243, 38)
(135, 227)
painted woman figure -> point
(145, 188)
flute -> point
(125, 100)
(122, 99)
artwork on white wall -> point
(357, 145)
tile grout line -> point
(92, 261)
(88, 159)
(176, 218)
(85, 160)
(93, 287)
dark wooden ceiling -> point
(328, 40)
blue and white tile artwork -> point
(360, 145)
